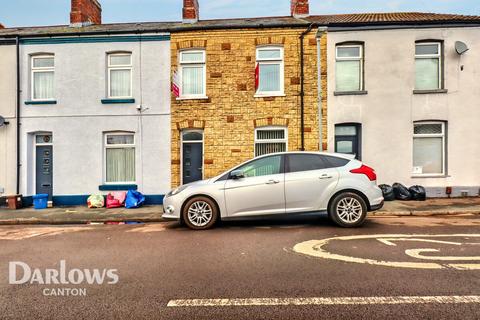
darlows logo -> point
(21, 273)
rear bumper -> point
(376, 207)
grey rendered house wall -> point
(8, 89)
(390, 108)
(79, 119)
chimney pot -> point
(190, 11)
(85, 12)
(2, 26)
(299, 8)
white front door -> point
(260, 192)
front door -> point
(192, 161)
(44, 172)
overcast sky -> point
(37, 12)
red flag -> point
(257, 76)
(176, 84)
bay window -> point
(120, 75)
(269, 71)
(429, 148)
(428, 66)
(42, 77)
(349, 68)
(270, 140)
(193, 74)
(119, 158)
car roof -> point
(323, 153)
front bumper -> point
(171, 208)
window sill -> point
(430, 91)
(268, 95)
(112, 101)
(117, 187)
(192, 98)
(350, 93)
(41, 102)
(416, 176)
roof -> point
(264, 22)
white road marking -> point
(389, 241)
(322, 301)
(417, 253)
(316, 248)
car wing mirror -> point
(237, 174)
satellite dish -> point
(3, 122)
(460, 47)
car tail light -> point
(366, 170)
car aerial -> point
(278, 184)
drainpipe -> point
(302, 91)
(17, 43)
(320, 33)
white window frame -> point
(202, 63)
(358, 58)
(266, 141)
(432, 135)
(111, 68)
(39, 70)
(117, 146)
(431, 56)
(266, 61)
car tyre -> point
(348, 210)
(200, 213)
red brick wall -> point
(299, 7)
(190, 10)
(84, 11)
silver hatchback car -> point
(280, 183)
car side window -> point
(335, 162)
(262, 167)
(305, 162)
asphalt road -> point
(249, 266)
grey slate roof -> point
(287, 21)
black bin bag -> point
(418, 193)
(401, 192)
(387, 191)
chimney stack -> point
(190, 11)
(299, 8)
(85, 12)
(1, 26)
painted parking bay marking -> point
(323, 301)
(317, 248)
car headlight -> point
(177, 190)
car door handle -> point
(272, 181)
(325, 176)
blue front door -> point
(192, 166)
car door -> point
(261, 191)
(309, 181)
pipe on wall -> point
(18, 113)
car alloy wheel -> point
(200, 213)
(349, 210)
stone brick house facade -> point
(231, 109)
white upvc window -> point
(193, 74)
(119, 157)
(270, 71)
(349, 68)
(42, 77)
(428, 66)
(429, 148)
(270, 140)
(119, 75)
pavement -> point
(394, 267)
(83, 215)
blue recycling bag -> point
(134, 199)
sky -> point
(15, 13)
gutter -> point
(17, 43)
(320, 32)
(302, 87)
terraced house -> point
(242, 91)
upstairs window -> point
(270, 140)
(269, 71)
(193, 74)
(428, 66)
(120, 75)
(349, 68)
(119, 158)
(43, 76)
